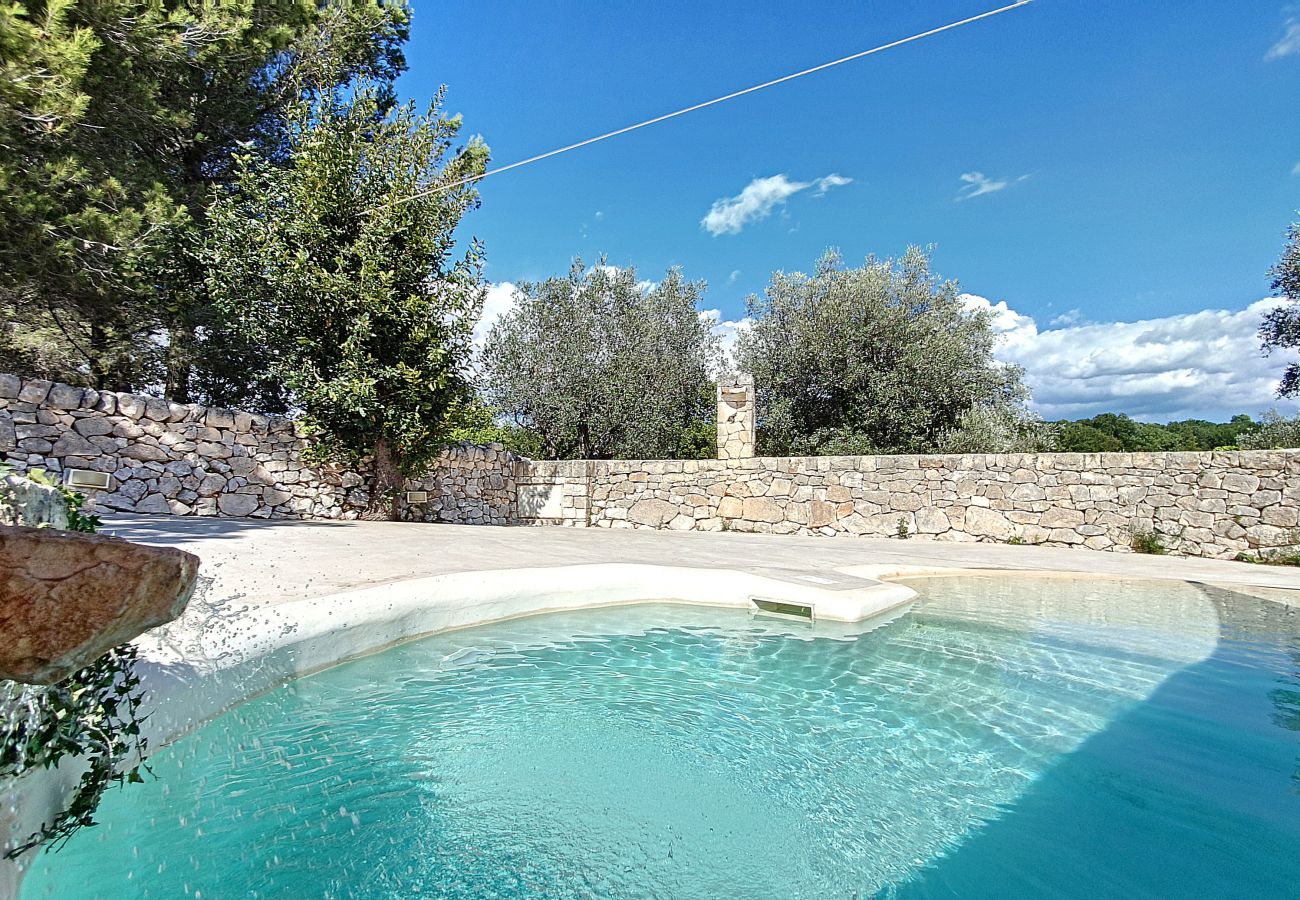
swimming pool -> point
(1009, 736)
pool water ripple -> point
(1008, 737)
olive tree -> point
(1274, 432)
(339, 254)
(883, 358)
(600, 366)
(1281, 326)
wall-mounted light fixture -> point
(86, 480)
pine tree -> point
(117, 120)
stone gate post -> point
(736, 417)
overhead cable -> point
(716, 100)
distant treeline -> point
(1106, 433)
(1116, 432)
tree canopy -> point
(1281, 327)
(600, 366)
(479, 423)
(338, 250)
(117, 119)
(882, 358)
(1274, 432)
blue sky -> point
(1084, 162)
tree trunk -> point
(97, 358)
(109, 371)
(385, 485)
(584, 441)
(178, 359)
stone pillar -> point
(736, 417)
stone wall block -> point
(762, 509)
(92, 426)
(71, 443)
(131, 406)
(219, 418)
(63, 396)
(35, 390)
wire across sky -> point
(715, 101)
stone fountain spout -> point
(67, 598)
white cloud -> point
(730, 214)
(756, 201)
(1290, 43)
(1070, 317)
(732, 278)
(500, 300)
(600, 214)
(1204, 364)
(978, 184)
(727, 332)
(835, 179)
(1296, 170)
(1006, 321)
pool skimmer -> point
(782, 608)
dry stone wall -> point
(168, 457)
(1204, 504)
(469, 485)
(185, 459)
(193, 460)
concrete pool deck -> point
(271, 562)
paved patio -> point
(275, 561)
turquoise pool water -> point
(1006, 738)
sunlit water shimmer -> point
(1009, 737)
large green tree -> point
(882, 358)
(117, 118)
(601, 366)
(1281, 327)
(338, 253)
